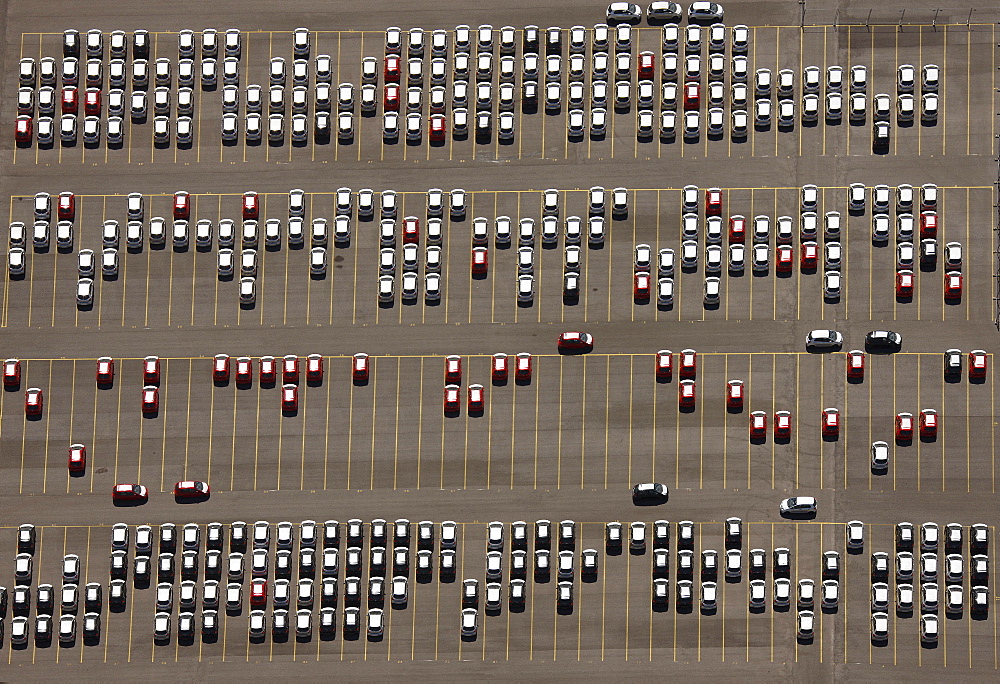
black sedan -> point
(883, 341)
(650, 493)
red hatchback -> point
(664, 364)
(11, 373)
(692, 95)
(904, 426)
(129, 492)
(713, 202)
(289, 397)
(244, 370)
(67, 206)
(978, 364)
(782, 424)
(928, 224)
(22, 129)
(904, 283)
(151, 370)
(734, 394)
(522, 367)
(640, 286)
(92, 102)
(453, 370)
(758, 425)
(499, 372)
(258, 592)
(314, 368)
(359, 369)
(268, 370)
(251, 205)
(150, 399)
(737, 229)
(785, 259)
(647, 65)
(70, 102)
(411, 230)
(391, 70)
(390, 99)
(451, 398)
(928, 423)
(476, 398)
(182, 205)
(831, 422)
(573, 341)
(220, 368)
(689, 363)
(686, 391)
(289, 368)
(953, 285)
(856, 364)
(810, 254)
(438, 127)
(191, 489)
(105, 370)
(33, 401)
(480, 260)
(77, 461)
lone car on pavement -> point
(797, 505)
(650, 492)
(129, 492)
(191, 489)
(576, 341)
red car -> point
(244, 370)
(785, 259)
(314, 368)
(251, 207)
(33, 401)
(758, 425)
(856, 364)
(289, 397)
(67, 206)
(810, 254)
(438, 127)
(92, 102)
(182, 205)
(150, 370)
(129, 492)
(499, 367)
(928, 423)
(391, 70)
(737, 229)
(664, 364)
(105, 370)
(689, 363)
(453, 370)
(191, 488)
(480, 259)
(476, 398)
(831, 422)
(23, 129)
(360, 367)
(390, 98)
(289, 368)
(576, 341)
(953, 285)
(904, 426)
(268, 370)
(258, 592)
(734, 394)
(522, 366)
(904, 283)
(713, 202)
(451, 398)
(977, 364)
(70, 103)
(692, 95)
(640, 286)
(686, 393)
(77, 461)
(647, 65)
(12, 373)
(928, 224)
(220, 368)
(411, 230)
(150, 399)
(782, 424)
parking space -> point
(611, 617)
(612, 423)
(540, 131)
(172, 285)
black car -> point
(953, 362)
(883, 340)
(650, 492)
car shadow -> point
(186, 500)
